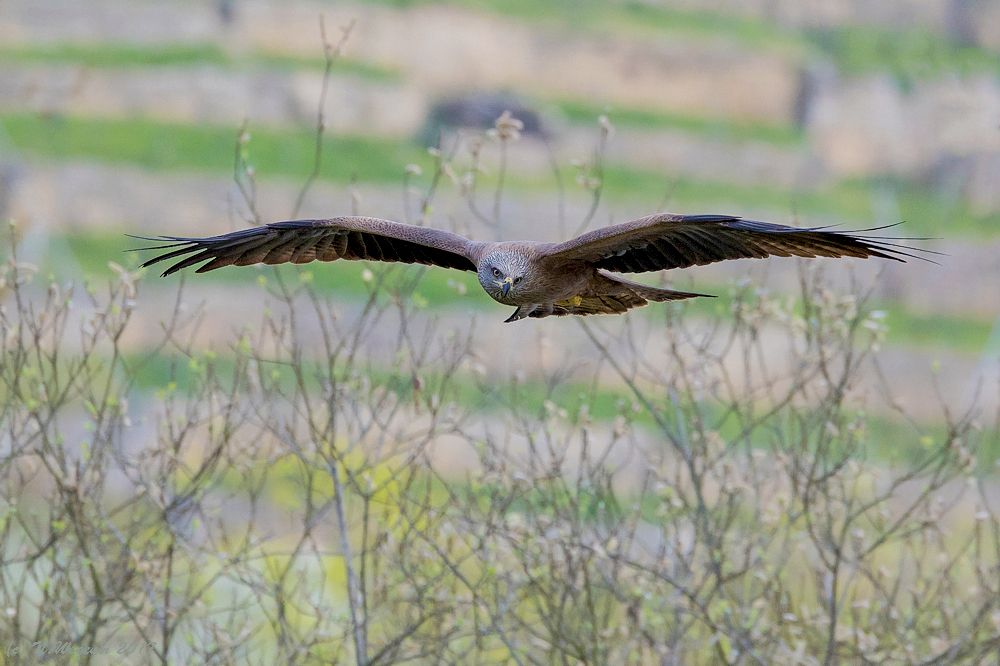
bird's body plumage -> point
(540, 279)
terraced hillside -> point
(124, 117)
(359, 463)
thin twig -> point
(331, 53)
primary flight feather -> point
(540, 279)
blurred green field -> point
(158, 146)
(582, 112)
(134, 56)
(883, 438)
(908, 55)
(115, 55)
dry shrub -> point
(289, 500)
(284, 504)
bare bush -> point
(289, 499)
(286, 504)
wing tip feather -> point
(298, 241)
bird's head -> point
(504, 275)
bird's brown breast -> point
(556, 281)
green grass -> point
(921, 329)
(341, 65)
(111, 56)
(116, 55)
(583, 112)
(166, 147)
(908, 55)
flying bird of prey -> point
(539, 279)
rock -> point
(871, 126)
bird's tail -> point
(609, 294)
(654, 294)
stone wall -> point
(212, 95)
(40, 21)
(870, 125)
(443, 49)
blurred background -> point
(122, 116)
(172, 448)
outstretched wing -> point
(665, 241)
(302, 241)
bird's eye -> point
(496, 272)
(516, 280)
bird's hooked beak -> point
(505, 285)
